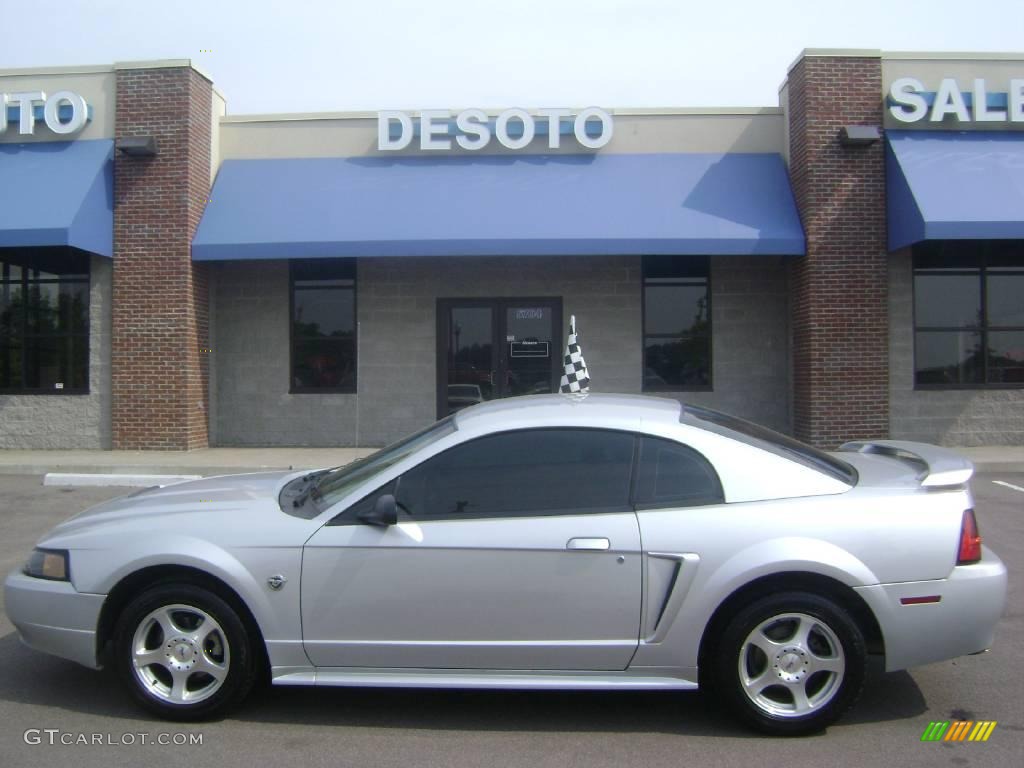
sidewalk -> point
(207, 461)
(220, 461)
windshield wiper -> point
(311, 490)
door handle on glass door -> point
(588, 544)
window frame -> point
(695, 263)
(348, 262)
(982, 255)
(85, 335)
(348, 515)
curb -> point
(125, 481)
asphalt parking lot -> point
(44, 699)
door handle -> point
(588, 544)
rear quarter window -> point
(670, 474)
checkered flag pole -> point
(575, 377)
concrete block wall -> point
(69, 422)
(956, 417)
(396, 302)
(750, 340)
(251, 403)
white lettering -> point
(473, 131)
(501, 128)
(472, 123)
(384, 140)
(949, 101)
(26, 101)
(430, 128)
(982, 113)
(79, 112)
(580, 128)
(554, 116)
(1016, 101)
(909, 105)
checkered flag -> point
(575, 377)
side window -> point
(528, 472)
(351, 515)
(672, 475)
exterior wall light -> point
(859, 135)
(137, 146)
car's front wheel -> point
(791, 663)
(183, 652)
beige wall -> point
(95, 84)
(996, 69)
(356, 135)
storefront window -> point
(44, 321)
(323, 325)
(677, 325)
(968, 314)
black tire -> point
(205, 633)
(816, 648)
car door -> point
(515, 551)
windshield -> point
(775, 442)
(336, 484)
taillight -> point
(970, 540)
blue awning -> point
(500, 205)
(954, 186)
(58, 193)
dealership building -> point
(848, 264)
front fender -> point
(97, 571)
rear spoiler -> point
(938, 467)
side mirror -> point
(384, 512)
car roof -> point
(570, 408)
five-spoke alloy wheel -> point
(790, 663)
(184, 652)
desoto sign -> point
(911, 102)
(472, 129)
(68, 104)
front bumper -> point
(52, 617)
(962, 622)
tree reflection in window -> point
(968, 314)
(677, 325)
(323, 327)
(44, 321)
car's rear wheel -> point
(184, 653)
(790, 664)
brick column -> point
(160, 301)
(839, 289)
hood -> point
(234, 496)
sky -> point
(322, 56)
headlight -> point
(48, 564)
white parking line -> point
(1009, 485)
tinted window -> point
(673, 475)
(769, 440)
(677, 324)
(968, 314)
(340, 481)
(44, 320)
(323, 328)
(529, 472)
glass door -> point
(489, 348)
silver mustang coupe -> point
(548, 542)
